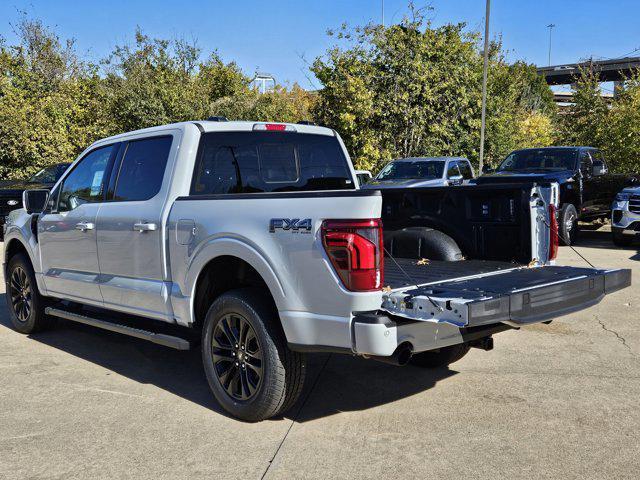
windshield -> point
(547, 159)
(405, 170)
(49, 174)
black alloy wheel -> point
(21, 294)
(237, 357)
(26, 305)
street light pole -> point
(484, 84)
(550, 27)
(382, 13)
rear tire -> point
(568, 227)
(441, 358)
(26, 305)
(250, 369)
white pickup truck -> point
(254, 239)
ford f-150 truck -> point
(253, 240)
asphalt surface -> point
(550, 401)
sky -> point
(282, 37)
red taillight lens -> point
(278, 127)
(553, 233)
(355, 248)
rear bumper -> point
(379, 334)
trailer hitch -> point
(485, 343)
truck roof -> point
(560, 147)
(222, 126)
(431, 159)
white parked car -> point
(419, 172)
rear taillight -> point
(553, 233)
(355, 250)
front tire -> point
(568, 227)
(441, 358)
(26, 305)
(250, 369)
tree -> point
(620, 134)
(53, 105)
(413, 90)
(48, 105)
(282, 105)
(586, 117)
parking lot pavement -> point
(550, 401)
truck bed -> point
(436, 271)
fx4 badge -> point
(294, 225)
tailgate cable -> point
(412, 281)
(569, 244)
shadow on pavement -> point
(335, 383)
(351, 384)
(602, 239)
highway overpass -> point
(612, 70)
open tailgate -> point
(517, 297)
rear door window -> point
(255, 162)
(142, 169)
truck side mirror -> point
(487, 168)
(599, 168)
(35, 200)
(456, 180)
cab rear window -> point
(256, 162)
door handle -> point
(84, 226)
(145, 227)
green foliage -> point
(412, 89)
(53, 105)
(49, 107)
(614, 128)
(621, 139)
(281, 105)
(407, 90)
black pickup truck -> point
(586, 186)
(11, 190)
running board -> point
(159, 338)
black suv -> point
(586, 186)
(11, 190)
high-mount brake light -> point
(273, 127)
(355, 249)
(553, 233)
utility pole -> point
(382, 13)
(550, 27)
(484, 84)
